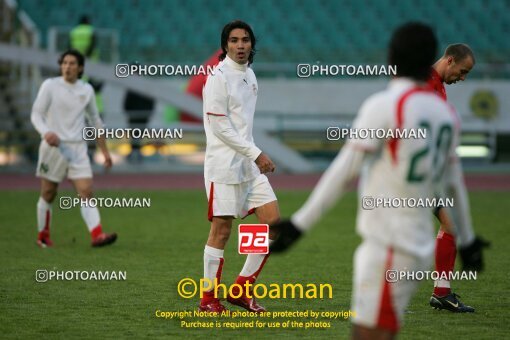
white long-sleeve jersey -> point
(61, 107)
(230, 96)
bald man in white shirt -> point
(234, 166)
(58, 114)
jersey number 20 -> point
(442, 146)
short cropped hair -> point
(459, 52)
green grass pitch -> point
(160, 245)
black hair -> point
(459, 52)
(79, 58)
(413, 48)
(226, 33)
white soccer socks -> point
(252, 267)
(91, 217)
(213, 266)
(43, 215)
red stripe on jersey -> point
(216, 114)
(387, 318)
(211, 197)
(393, 143)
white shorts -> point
(69, 159)
(238, 200)
(376, 302)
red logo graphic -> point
(253, 239)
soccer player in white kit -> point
(394, 239)
(58, 114)
(234, 166)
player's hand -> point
(107, 161)
(265, 163)
(51, 138)
(288, 234)
(472, 259)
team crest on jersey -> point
(83, 98)
(254, 89)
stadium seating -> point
(288, 30)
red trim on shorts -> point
(393, 143)
(387, 316)
(251, 211)
(216, 114)
(210, 210)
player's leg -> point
(80, 174)
(262, 201)
(222, 209)
(379, 297)
(446, 251)
(268, 213)
(365, 333)
(219, 234)
(51, 168)
(371, 260)
(90, 214)
(44, 211)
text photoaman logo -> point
(126, 70)
(311, 70)
(67, 202)
(43, 275)
(339, 133)
(371, 203)
(92, 133)
(393, 275)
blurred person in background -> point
(139, 109)
(58, 114)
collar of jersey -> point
(436, 74)
(61, 79)
(233, 64)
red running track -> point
(491, 182)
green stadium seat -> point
(357, 31)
